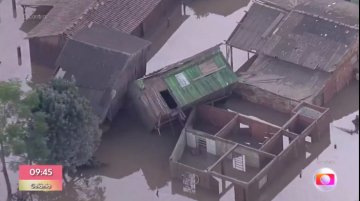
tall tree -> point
(21, 131)
(74, 133)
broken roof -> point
(96, 64)
(70, 16)
(285, 79)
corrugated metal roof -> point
(200, 79)
(338, 11)
(256, 27)
(122, 15)
(311, 42)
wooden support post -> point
(19, 56)
(24, 12)
(14, 8)
(232, 57)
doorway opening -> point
(169, 100)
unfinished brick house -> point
(303, 52)
(218, 147)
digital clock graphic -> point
(40, 178)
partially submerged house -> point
(303, 52)
(64, 18)
(103, 62)
(218, 147)
(164, 95)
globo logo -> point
(325, 179)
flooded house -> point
(60, 20)
(103, 62)
(220, 149)
(165, 95)
(302, 52)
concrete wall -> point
(262, 97)
(205, 180)
(252, 158)
(342, 76)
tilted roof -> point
(200, 78)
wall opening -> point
(169, 100)
(286, 141)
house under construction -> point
(218, 146)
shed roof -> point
(285, 79)
(92, 61)
(200, 78)
(311, 42)
(256, 27)
(96, 65)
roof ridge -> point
(356, 27)
(93, 6)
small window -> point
(182, 80)
(169, 100)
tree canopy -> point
(73, 133)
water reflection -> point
(202, 8)
(78, 188)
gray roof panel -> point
(254, 29)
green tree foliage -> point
(22, 132)
(73, 129)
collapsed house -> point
(102, 62)
(164, 95)
(61, 19)
(303, 52)
(218, 146)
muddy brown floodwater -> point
(136, 162)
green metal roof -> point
(191, 84)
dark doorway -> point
(170, 102)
